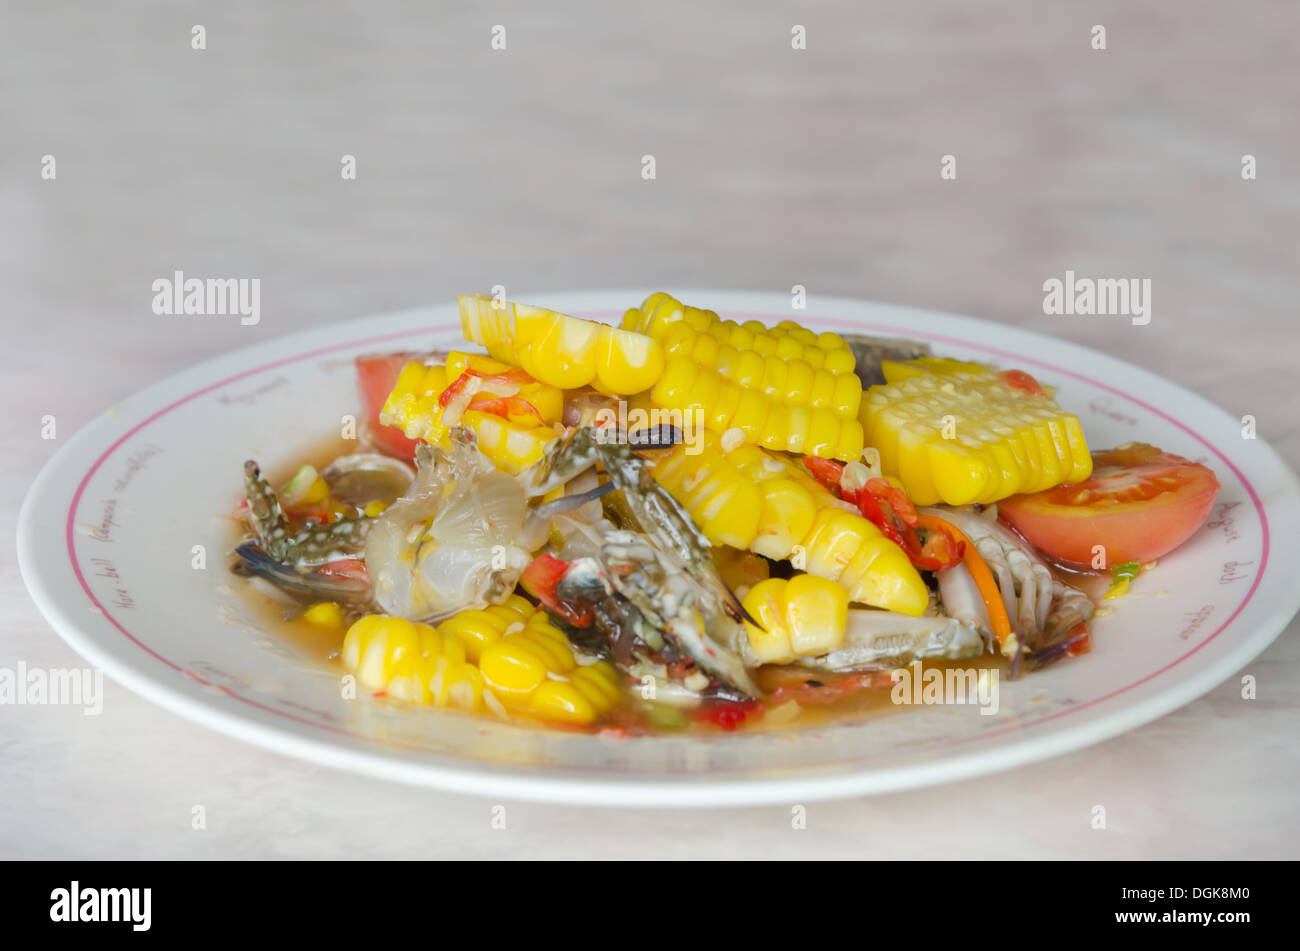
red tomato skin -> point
(376, 376)
(1129, 531)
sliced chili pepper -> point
(825, 471)
(895, 497)
(728, 714)
(1020, 380)
(506, 406)
(890, 510)
(1080, 641)
(942, 549)
(456, 388)
(874, 512)
(353, 568)
(513, 375)
(540, 578)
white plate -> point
(107, 532)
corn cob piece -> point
(413, 662)
(805, 616)
(789, 369)
(753, 499)
(507, 657)
(661, 312)
(413, 406)
(727, 405)
(961, 437)
(326, 614)
(566, 352)
(536, 670)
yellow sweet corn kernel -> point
(514, 609)
(754, 499)
(326, 614)
(776, 364)
(412, 662)
(770, 641)
(536, 670)
(507, 656)
(413, 406)
(476, 630)
(685, 331)
(805, 616)
(725, 505)
(560, 350)
(589, 693)
(958, 437)
(880, 573)
(305, 488)
(805, 429)
(512, 448)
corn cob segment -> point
(961, 437)
(508, 656)
(536, 670)
(413, 662)
(661, 313)
(414, 407)
(563, 351)
(753, 499)
(805, 616)
(788, 363)
(726, 405)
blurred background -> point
(523, 167)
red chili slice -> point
(506, 406)
(1020, 380)
(540, 578)
(825, 471)
(891, 511)
(353, 568)
(728, 714)
(456, 388)
(513, 375)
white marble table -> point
(523, 167)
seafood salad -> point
(685, 522)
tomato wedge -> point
(1140, 503)
(376, 376)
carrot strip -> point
(988, 587)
